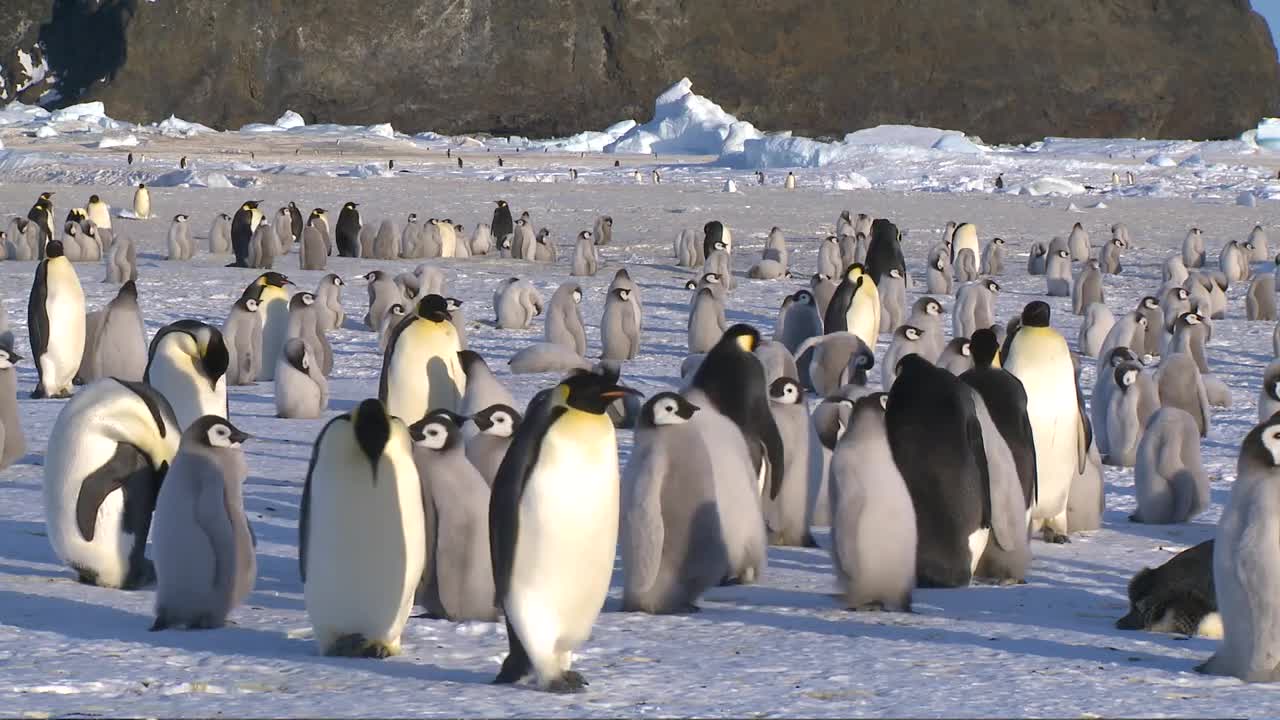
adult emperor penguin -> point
(787, 516)
(1177, 597)
(273, 312)
(884, 253)
(204, 556)
(420, 368)
(965, 238)
(116, 339)
(361, 540)
(41, 213)
(715, 232)
(301, 390)
(673, 546)
(1039, 357)
(142, 202)
(496, 425)
(99, 212)
(347, 232)
(243, 223)
(55, 324)
(1246, 563)
(187, 364)
(108, 452)
(556, 496)
(13, 442)
(563, 324)
(457, 578)
(1169, 478)
(855, 307)
(502, 226)
(242, 334)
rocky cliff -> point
(1007, 70)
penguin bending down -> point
(1177, 597)
(421, 370)
(873, 523)
(108, 452)
(1037, 258)
(187, 364)
(1169, 480)
(556, 496)
(204, 556)
(301, 390)
(361, 540)
(55, 324)
(516, 302)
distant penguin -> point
(938, 278)
(142, 202)
(1177, 597)
(855, 307)
(565, 454)
(1037, 258)
(993, 257)
(1260, 302)
(620, 326)
(1193, 249)
(1040, 358)
(359, 577)
(965, 237)
(893, 300)
(108, 453)
(116, 342)
(187, 364)
(204, 556)
(1087, 288)
(181, 246)
(347, 232)
(242, 333)
(906, 341)
(563, 325)
(220, 235)
(1181, 385)
(1058, 274)
(1269, 397)
(301, 390)
(55, 324)
(1109, 256)
(1169, 478)
(516, 303)
(602, 230)
(1078, 243)
(706, 322)
(243, 225)
(585, 260)
(1246, 569)
(787, 515)
(13, 442)
(957, 356)
(1094, 329)
(502, 225)
(457, 579)
(1258, 240)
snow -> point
(1267, 134)
(108, 141)
(88, 112)
(46, 131)
(686, 123)
(174, 126)
(783, 647)
(290, 119)
(589, 141)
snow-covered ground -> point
(780, 648)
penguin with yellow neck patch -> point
(855, 307)
(421, 371)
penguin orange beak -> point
(618, 391)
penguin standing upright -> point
(301, 390)
(273, 313)
(242, 333)
(187, 364)
(620, 325)
(420, 368)
(243, 224)
(304, 323)
(347, 233)
(1039, 357)
(312, 253)
(715, 232)
(602, 231)
(884, 253)
(361, 540)
(142, 202)
(99, 212)
(295, 220)
(787, 516)
(220, 235)
(108, 453)
(855, 307)
(502, 226)
(116, 339)
(483, 389)
(556, 498)
(55, 324)
(13, 442)
(563, 325)
(322, 220)
(496, 424)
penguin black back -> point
(1006, 401)
(885, 251)
(733, 379)
(502, 224)
(712, 233)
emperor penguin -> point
(524, 242)
(312, 253)
(1125, 419)
(602, 230)
(187, 364)
(1037, 258)
(1258, 239)
(1190, 334)
(483, 389)
(1217, 284)
(974, 308)
(873, 520)
(55, 324)
(1094, 329)
(965, 237)
(1181, 385)
(304, 323)
(361, 535)
(563, 325)
(421, 370)
(787, 516)
(108, 453)
(390, 319)
(1233, 260)
(585, 259)
(243, 225)
(501, 225)
(1193, 249)
(718, 262)
(1129, 331)
(142, 202)
(716, 232)
(273, 313)
(935, 440)
(457, 577)
(957, 356)
(295, 220)
(1173, 272)
(263, 247)
(706, 322)
(1087, 288)
(798, 321)
(220, 234)
(926, 314)
(1169, 478)
(42, 215)
(301, 390)
(347, 232)
(1177, 597)
(907, 340)
(893, 300)
(1057, 274)
(620, 325)
(823, 289)
(688, 250)
(993, 257)
(544, 249)
(855, 307)
(1078, 243)
(116, 339)
(23, 236)
(179, 240)
(1040, 358)
(1103, 386)
(13, 441)
(516, 302)
(966, 266)
(1109, 257)
(495, 426)
(322, 221)
(1260, 302)
(884, 251)
(673, 545)
(1153, 333)
(100, 213)
(556, 496)
(386, 244)
(829, 260)
(1246, 566)
(242, 333)
(122, 260)
(383, 292)
(1173, 302)
(366, 237)
(204, 555)
(1269, 397)
(938, 278)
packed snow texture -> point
(686, 123)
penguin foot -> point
(569, 682)
(161, 623)
(77, 380)
(873, 606)
(347, 646)
(730, 581)
(808, 541)
(61, 395)
(141, 576)
(377, 651)
(1053, 536)
(86, 577)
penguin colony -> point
(441, 492)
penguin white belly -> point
(567, 534)
(1054, 414)
(64, 305)
(365, 554)
(174, 375)
(425, 371)
(977, 545)
(863, 318)
(107, 554)
(448, 244)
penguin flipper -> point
(304, 509)
(97, 485)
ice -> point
(1048, 185)
(174, 126)
(684, 122)
(17, 113)
(1161, 160)
(1267, 134)
(290, 119)
(46, 131)
(87, 112)
(589, 141)
(109, 141)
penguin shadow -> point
(28, 542)
(1188, 533)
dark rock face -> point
(1008, 70)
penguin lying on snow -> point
(1177, 597)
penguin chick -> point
(1169, 478)
(301, 390)
(485, 450)
(787, 515)
(516, 302)
(1058, 274)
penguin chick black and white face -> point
(786, 391)
(586, 235)
(8, 358)
(452, 304)
(895, 273)
(577, 296)
(1262, 444)
(497, 420)
(1064, 254)
(1127, 374)
(991, 285)
(217, 432)
(1190, 318)
(249, 304)
(622, 294)
(667, 408)
(1149, 303)
(438, 430)
(1120, 356)
(180, 218)
(928, 305)
(337, 280)
(804, 297)
(939, 263)
(910, 332)
(397, 309)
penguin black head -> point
(1120, 356)
(786, 391)
(295, 352)
(8, 358)
(1127, 374)
(434, 308)
(804, 297)
(252, 204)
(439, 430)
(1149, 303)
(396, 309)
(316, 212)
(844, 215)
(1262, 444)
(690, 285)
(1036, 314)
(984, 345)
(1037, 250)
(667, 408)
(215, 431)
(991, 285)
(500, 203)
(337, 280)
(350, 205)
(740, 337)
(53, 249)
(592, 392)
(998, 241)
(1064, 254)
(274, 279)
(499, 420)
(623, 294)
(180, 218)
(372, 429)
(910, 332)
(607, 220)
(46, 196)
(940, 263)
